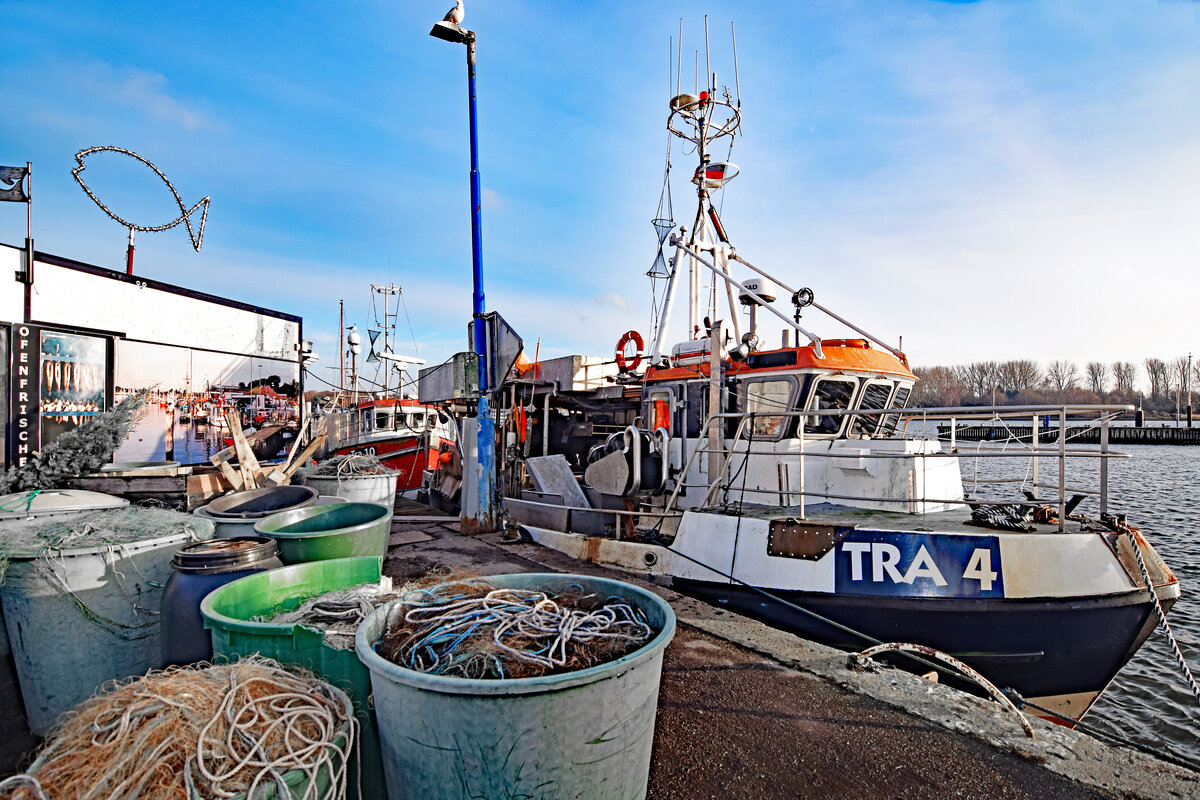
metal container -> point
(197, 570)
(584, 734)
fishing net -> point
(354, 464)
(337, 614)
(46, 537)
(473, 629)
(200, 731)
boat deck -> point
(955, 521)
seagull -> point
(455, 15)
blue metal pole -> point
(486, 517)
(476, 218)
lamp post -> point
(484, 467)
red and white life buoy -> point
(626, 363)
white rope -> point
(515, 613)
(1162, 618)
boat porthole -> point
(650, 558)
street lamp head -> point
(448, 31)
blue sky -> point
(987, 180)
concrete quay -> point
(747, 711)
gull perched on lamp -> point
(450, 28)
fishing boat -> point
(403, 434)
(793, 483)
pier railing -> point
(1047, 435)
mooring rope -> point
(1162, 617)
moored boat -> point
(793, 483)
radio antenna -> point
(679, 58)
(737, 86)
(712, 90)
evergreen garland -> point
(79, 451)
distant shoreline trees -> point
(1025, 382)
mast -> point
(701, 119)
(387, 291)
(341, 350)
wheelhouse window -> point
(874, 397)
(829, 394)
(888, 426)
(765, 397)
(383, 420)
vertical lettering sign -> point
(59, 380)
(919, 565)
(25, 437)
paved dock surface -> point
(746, 711)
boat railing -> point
(723, 451)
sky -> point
(987, 180)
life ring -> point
(629, 365)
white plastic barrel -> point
(80, 617)
(380, 489)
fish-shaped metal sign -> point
(185, 215)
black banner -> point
(59, 380)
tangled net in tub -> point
(45, 537)
(349, 466)
(338, 613)
(473, 629)
(202, 731)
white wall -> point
(12, 291)
(70, 297)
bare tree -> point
(980, 378)
(1062, 375)
(1124, 376)
(1014, 377)
(1177, 372)
(1156, 374)
(939, 386)
(1097, 377)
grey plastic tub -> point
(584, 734)
(82, 617)
(379, 489)
(315, 533)
(236, 514)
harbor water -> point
(1149, 701)
(160, 431)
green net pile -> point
(33, 538)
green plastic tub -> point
(342, 530)
(227, 611)
(584, 734)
